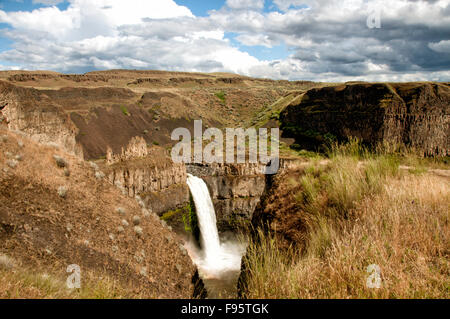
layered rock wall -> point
(413, 114)
(150, 174)
(235, 189)
(33, 113)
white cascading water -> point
(215, 258)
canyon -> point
(120, 121)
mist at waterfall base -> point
(216, 259)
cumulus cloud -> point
(284, 5)
(441, 46)
(245, 4)
(112, 34)
(327, 40)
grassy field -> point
(361, 209)
(21, 282)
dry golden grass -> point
(22, 282)
(404, 229)
(47, 232)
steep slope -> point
(59, 211)
(413, 114)
(34, 113)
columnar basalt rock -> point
(234, 188)
(136, 148)
(146, 179)
(33, 113)
(148, 172)
(414, 114)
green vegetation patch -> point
(124, 110)
(314, 137)
(221, 96)
(187, 215)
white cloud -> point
(9, 67)
(329, 40)
(256, 39)
(245, 4)
(284, 5)
(441, 46)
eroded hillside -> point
(89, 112)
(57, 210)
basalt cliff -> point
(413, 114)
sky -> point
(319, 40)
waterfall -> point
(209, 236)
(215, 258)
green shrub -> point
(124, 110)
(221, 96)
(190, 220)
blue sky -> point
(201, 8)
(283, 39)
(26, 5)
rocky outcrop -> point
(24, 77)
(161, 187)
(33, 113)
(414, 114)
(136, 148)
(149, 173)
(235, 189)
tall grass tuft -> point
(360, 209)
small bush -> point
(124, 110)
(93, 165)
(99, 175)
(140, 202)
(62, 191)
(120, 229)
(353, 148)
(6, 262)
(221, 96)
(12, 163)
(66, 172)
(138, 230)
(120, 210)
(60, 162)
(145, 213)
(136, 220)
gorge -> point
(114, 129)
